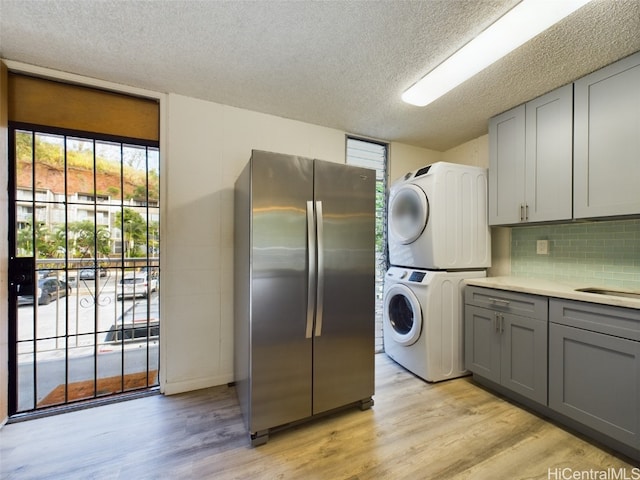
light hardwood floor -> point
(416, 430)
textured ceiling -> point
(342, 64)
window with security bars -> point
(85, 209)
(373, 155)
(84, 166)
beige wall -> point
(500, 252)
(4, 250)
(476, 152)
(405, 158)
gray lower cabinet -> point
(506, 340)
(594, 367)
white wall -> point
(208, 145)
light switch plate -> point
(542, 247)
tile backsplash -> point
(605, 253)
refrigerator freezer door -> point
(280, 355)
(343, 360)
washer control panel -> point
(417, 276)
(409, 276)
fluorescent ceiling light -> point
(517, 26)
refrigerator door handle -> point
(320, 285)
(311, 256)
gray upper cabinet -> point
(506, 167)
(607, 141)
(549, 154)
(530, 161)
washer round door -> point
(408, 213)
(402, 315)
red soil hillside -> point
(79, 180)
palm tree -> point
(134, 232)
(85, 236)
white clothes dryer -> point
(437, 218)
(423, 321)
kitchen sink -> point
(608, 291)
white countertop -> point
(555, 289)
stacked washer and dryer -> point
(438, 237)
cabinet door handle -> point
(521, 212)
(501, 324)
(499, 301)
(526, 212)
(496, 322)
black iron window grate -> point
(85, 208)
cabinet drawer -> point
(533, 306)
(618, 321)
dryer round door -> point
(408, 213)
(403, 315)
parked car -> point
(49, 289)
(152, 271)
(71, 278)
(60, 274)
(55, 273)
(45, 273)
(136, 285)
(137, 324)
(90, 273)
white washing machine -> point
(423, 321)
(437, 218)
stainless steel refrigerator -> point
(304, 289)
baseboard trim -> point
(173, 388)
